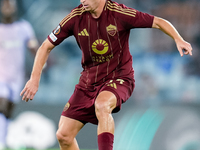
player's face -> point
(90, 5)
(8, 8)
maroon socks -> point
(105, 141)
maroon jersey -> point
(103, 41)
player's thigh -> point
(68, 127)
(106, 99)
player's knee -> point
(64, 139)
(102, 107)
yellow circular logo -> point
(100, 46)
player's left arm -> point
(183, 47)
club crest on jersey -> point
(66, 106)
(57, 30)
(111, 29)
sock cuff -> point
(106, 137)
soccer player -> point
(16, 35)
(101, 29)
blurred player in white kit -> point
(16, 35)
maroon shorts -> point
(81, 104)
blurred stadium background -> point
(164, 110)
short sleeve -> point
(62, 31)
(142, 20)
(132, 18)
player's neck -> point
(9, 20)
(97, 12)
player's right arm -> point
(32, 84)
(183, 47)
(61, 32)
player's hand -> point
(184, 47)
(29, 90)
